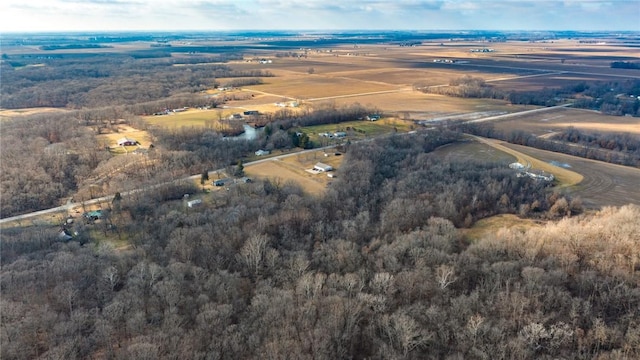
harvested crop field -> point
(558, 119)
(316, 86)
(603, 184)
(555, 80)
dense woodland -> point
(264, 270)
(111, 79)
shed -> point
(194, 203)
(322, 167)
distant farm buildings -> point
(262, 152)
(523, 170)
(337, 134)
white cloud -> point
(60, 15)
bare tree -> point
(445, 276)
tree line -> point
(110, 79)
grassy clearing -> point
(294, 168)
(357, 129)
(111, 139)
(474, 151)
(494, 223)
(6, 114)
(281, 172)
(191, 118)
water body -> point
(559, 164)
(250, 133)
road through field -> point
(604, 184)
(597, 183)
(564, 176)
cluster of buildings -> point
(483, 50)
(523, 171)
(337, 134)
(169, 111)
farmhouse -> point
(127, 142)
(251, 112)
(322, 167)
(340, 134)
(262, 152)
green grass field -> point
(196, 118)
(358, 129)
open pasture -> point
(111, 139)
(212, 118)
(356, 130)
(294, 169)
(541, 124)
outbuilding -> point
(127, 142)
(194, 203)
(322, 167)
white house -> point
(262, 152)
(194, 203)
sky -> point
(220, 15)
